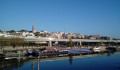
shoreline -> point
(64, 58)
(16, 60)
(67, 57)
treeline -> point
(11, 41)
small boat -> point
(79, 51)
(42, 49)
(32, 52)
(112, 49)
(7, 58)
(97, 49)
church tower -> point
(33, 28)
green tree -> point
(10, 41)
(11, 31)
(2, 42)
(16, 41)
(70, 42)
(37, 33)
(42, 34)
(101, 43)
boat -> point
(112, 49)
(79, 51)
(32, 52)
(97, 49)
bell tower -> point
(33, 28)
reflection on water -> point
(9, 64)
(32, 65)
(110, 53)
(70, 59)
(69, 64)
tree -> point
(11, 41)
(37, 33)
(70, 42)
(2, 42)
(11, 31)
(23, 30)
(42, 34)
(16, 41)
(101, 43)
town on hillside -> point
(46, 34)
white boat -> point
(97, 49)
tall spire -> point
(33, 28)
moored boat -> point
(79, 51)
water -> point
(102, 62)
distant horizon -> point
(88, 17)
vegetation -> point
(11, 31)
(16, 41)
(42, 34)
(101, 43)
(2, 42)
(70, 42)
(11, 41)
(39, 34)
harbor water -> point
(99, 62)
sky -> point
(89, 17)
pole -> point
(38, 62)
(18, 60)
